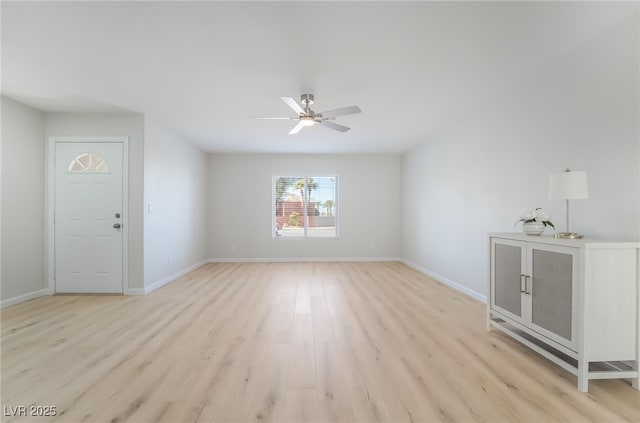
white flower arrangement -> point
(535, 215)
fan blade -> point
(296, 128)
(334, 126)
(261, 117)
(293, 104)
(330, 114)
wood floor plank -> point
(333, 394)
(302, 329)
(302, 367)
(295, 342)
(239, 388)
(365, 394)
(302, 406)
(268, 398)
(303, 298)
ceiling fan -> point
(307, 117)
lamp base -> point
(567, 235)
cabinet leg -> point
(583, 376)
(583, 384)
(636, 383)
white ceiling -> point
(203, 68)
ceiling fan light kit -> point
(307, 120)
(308, 117)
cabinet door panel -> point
(507, 268)
(552, 291)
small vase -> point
(533, 228)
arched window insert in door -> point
(88, 163)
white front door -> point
(88, 217)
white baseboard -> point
(166, 280)
(446, 281)
(300, 259)
(25, 297)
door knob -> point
(116, 225)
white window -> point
(305, 206)
(88, 163)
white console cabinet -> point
(576, 302)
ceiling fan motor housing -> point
(306, 99)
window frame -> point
(305, 175)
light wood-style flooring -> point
(295, 342)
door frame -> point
(50, 203)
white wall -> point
(175, 180)
(474, 178)
(240, 208)
(23, 167)
(116, 124)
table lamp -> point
(568, 185)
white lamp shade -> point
(568, 185)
